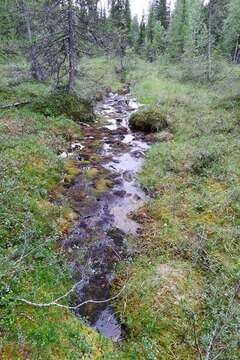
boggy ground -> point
(182, 299)
(183, 270)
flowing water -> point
(98, 242)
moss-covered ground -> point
(32, 264)
(182, 281)
(183, 284)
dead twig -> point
(76, 307)
(15, 105)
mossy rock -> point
(62, 103)
(151, 119)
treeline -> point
(55, 34)
(195, 28)
(188, 29)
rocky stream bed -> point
(104, 194)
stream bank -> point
(104, 194)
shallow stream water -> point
(99, 240)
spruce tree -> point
(178, 29)
(128, 19)
(57, 33)
(219, 15)
(120, 16)
(196, 29)
(161, 12)
(151, 24)
(159, 39)
(232, 31)
(134, 31)
(141, 37)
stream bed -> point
(104, 195)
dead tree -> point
(25, 14)
(58, 32)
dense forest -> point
(119, 180)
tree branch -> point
(76, 307)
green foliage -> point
(178, 29)
(219, 14)
(62, 103)
(187, 32)
(161, 12)
(141, 37)
(231, 28)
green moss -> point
(150, 119)
(61, 103)
(102, 185)
(159, 323)
(71, 167)
(91, 173)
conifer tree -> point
(58, 33)
(134, 31)
(161, 12)
(232, 31)
(128, 19)
(151, 24)
(141, 37)
(120, 16)
(155, 34)
(178, 29)
(196, 29)
(219, 15)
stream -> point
(104, 195)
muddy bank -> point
(103, 195)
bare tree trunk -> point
(71, 49)
(36, 70)
(210, 40)
(236, 53)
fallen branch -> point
(15, 105)
(76, 307)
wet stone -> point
(83, 157)
(120, 193)
(137, 197)
(128, 176)
(115, 161)
(137, 154)
(117, 235)
(118, 181)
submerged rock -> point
(128, 176)
(120, 193)
(137, 154)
